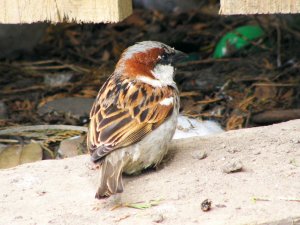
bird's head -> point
(150, 62)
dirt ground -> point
(266, 189)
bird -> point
(134, 116)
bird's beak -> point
(179, 57)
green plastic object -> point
(237, 39)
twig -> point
(275, 116)
(44, 65)
(207, 101)
(31, 88)
(9, 141)
(189, 93)
(48, 150)
(283, 73)
(275, 85)
(42, 127)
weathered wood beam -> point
(232, 7)
(88, 11)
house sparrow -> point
(134, 115)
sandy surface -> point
(62, 191)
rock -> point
(206, 205)
(16, 154)
(55, 79)
(9, 157)
(232, 166)
(74, 105)
(71, 147)
(199, 154)
(31, 153)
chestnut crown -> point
(151, 59)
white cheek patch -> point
(167, 101)
(147, 80)
(164, 73)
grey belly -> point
(151, 149)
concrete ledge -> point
(266, 191)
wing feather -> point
(124, 112)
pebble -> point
(199, 154)
(232, 151)
(232, 166)
(206, 205)
(71, 147)
(76, 106)
(57, 79)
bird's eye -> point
(164, 56)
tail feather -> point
(110, 180)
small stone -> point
(232, 151)
(232, 166)
(57, 79)
(157, 218)
(76, 106)
(70, 147)
(199, 154)
(206, 205)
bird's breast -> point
(151, 149)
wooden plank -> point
(233, 7)
(95, 11)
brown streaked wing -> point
(134, 113)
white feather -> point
(147, 80)
(188, 127)
(165, 74)
(167, 101)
